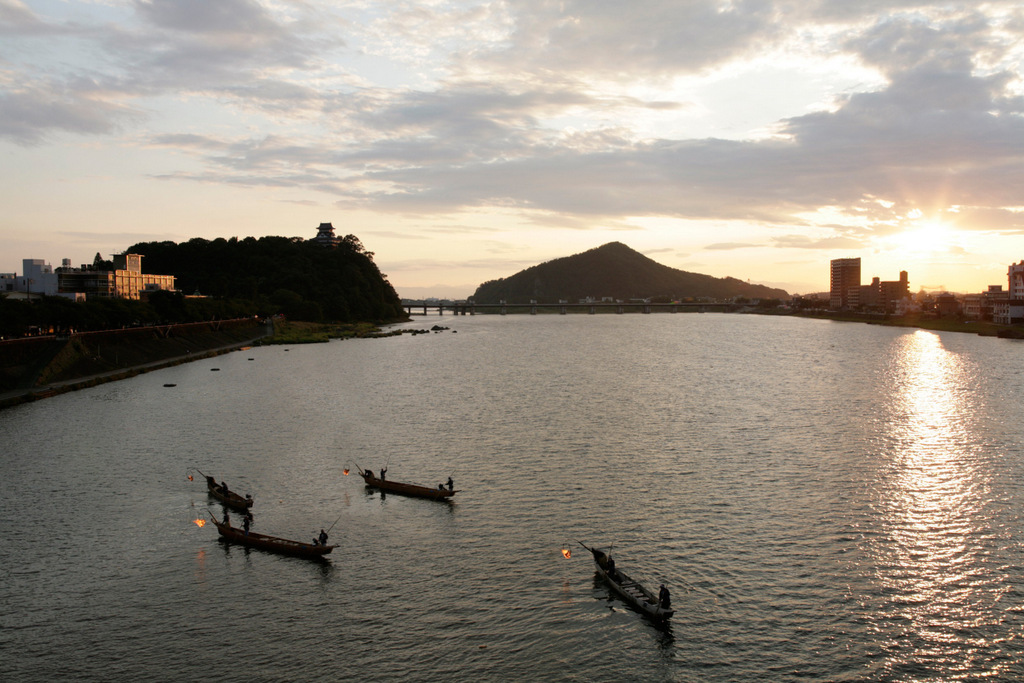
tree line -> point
(234, 278)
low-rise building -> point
(947, 305)
(126, 281)
(1008, 311)
(980, 306)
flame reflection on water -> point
(932, 500)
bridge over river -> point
(563, 308)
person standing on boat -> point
(611, 569)
(382, 473)
(245, 524)
(664, 598)
(323, 537)
(451, 484)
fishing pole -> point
(335, 522)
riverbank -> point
(292, 332)
(981, 328)
(34, 369)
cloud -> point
(656, 38)
(533, 106)
(824, 244)
(17, 19)
(224, 18)
(31, 111)
(730, 246)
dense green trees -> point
(237, 278)
(289, 275)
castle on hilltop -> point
(325, 236)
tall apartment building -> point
(844, 289)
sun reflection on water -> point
(932, 498)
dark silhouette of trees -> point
(235, 278)
(288, 275)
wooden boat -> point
(271, 543)
(227, 496)
(416, 490)
(633, 592)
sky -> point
(464, 140)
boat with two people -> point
(636, 595)
(225, 495)
(442, 492)
(232, 534)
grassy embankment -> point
(37, 368)
(984, 329)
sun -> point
(923, 236)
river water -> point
(826, 501)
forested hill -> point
(614, 270)
(302, 279)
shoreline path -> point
(25, 395)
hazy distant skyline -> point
(462, 141)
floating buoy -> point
(214, 369)
(170, 385)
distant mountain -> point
(614, 270)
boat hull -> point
(406, 489)
(633, 592)
(274, 544)
(231, 499)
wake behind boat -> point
(633, 592)
(382, 483)
(271, 543)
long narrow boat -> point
(373, 481)
(633, 592)
(271, 543)
(227, 496)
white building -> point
(1015, 274)
(37, 277)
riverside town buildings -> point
(995, 304)
(125, 281)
